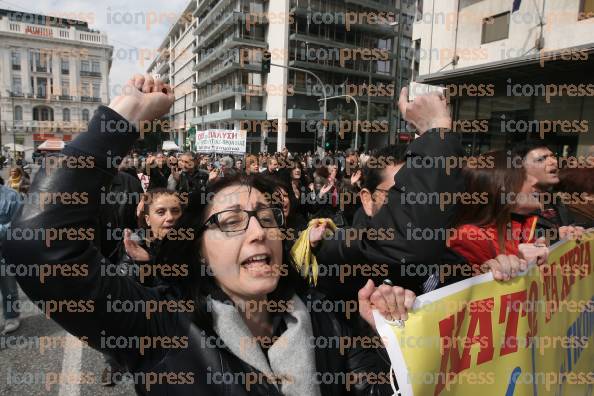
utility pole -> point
(356, 115)
(368, 110)
(398, 85)
(325, 120)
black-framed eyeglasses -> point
(238, 220)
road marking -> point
(70, 364)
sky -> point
(133, 27)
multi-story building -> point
(54, 73)
(517, 69)
(352, 46)
(174, 64)
(349, 44)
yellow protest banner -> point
(528, 336)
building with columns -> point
(54, 73)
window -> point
(43, 113)
(419, 13)
(85, 90)
(496, 28)
(18, 113)
(16, 60)
(96, 90)
(66, 115)
(41, 87)
(416, 59)
(40, 61)
(586, 9)
(17, 88)
(95, 67)
(85, 115)
(65, 87)
(65, 66)
(84, 66)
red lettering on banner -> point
(549, 274)
(454, 362)
(586, 263)
(532, 318)
(510, 305)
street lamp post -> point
(323, 92)
(13, 127)
(356, 116)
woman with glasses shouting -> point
(240, 322)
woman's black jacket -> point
(86, 304)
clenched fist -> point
(425, 112)
(143, 99)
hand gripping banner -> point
(526, 337)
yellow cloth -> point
(14, 183)
(302, 254)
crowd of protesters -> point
(194, 211)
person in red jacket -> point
(498, 221)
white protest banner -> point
(221, 141)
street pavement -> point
(52, 365)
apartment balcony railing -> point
(230, 42)
(227, 20)
(208, 19)
(87, 73)
(65, 97)
(218, 94)
(89, 99)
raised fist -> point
(143, 99)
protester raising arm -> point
(80, 303)
(423, 198)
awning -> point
(521, 68)
(16, 147)
(169, 145)
(51, 145)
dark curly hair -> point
(200, 284)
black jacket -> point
(158, 177)
(411, 204)
(181, 371)
(118, 211)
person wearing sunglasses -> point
(241, 322)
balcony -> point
(65, 71)
(86, 73)
(17, 95)
(216, 94)
(65, 97)
(375, 5)
(222, 69)
(52, 32)
(230, 42)
(90, 99)
(228, 20)
(382, 30)
(162, 67)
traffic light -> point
(266, 60)
(330, 144)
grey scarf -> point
(292, 360)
